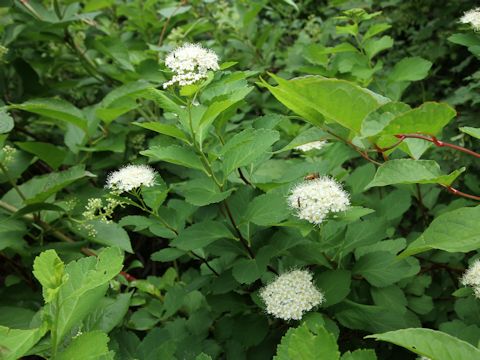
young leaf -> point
(48, 268)
(86, 284)
(430, 343)
(407, 171)
(14, 344)
(91, 345)
(362, 354)
(301, 343)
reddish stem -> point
(460, 193)
(436, 142)
(127, 276)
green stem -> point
(13, 183)
(206, 162)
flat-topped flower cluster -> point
(291, 295)
(190, 63)
(314, 199)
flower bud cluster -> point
(97, 209)
(8, 154)
(472, 17)
(131, 177)
(472, 277)
(190, 63)
(314, 199)
(314, 145)
(291, 295)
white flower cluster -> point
(314, 145)
(472, 277)
(472, 17)
(131, 177)
(314, 199)
(291, 295)
(190, 63)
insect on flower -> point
(312, 176)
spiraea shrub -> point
(239, 180)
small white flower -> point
(472, 17)
(314, 145)
(290, 295)
(131, 177)
(190, 63)
(314, 199)
(472, 277)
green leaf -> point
(88, 346)
(201, 234)
(12, 232)
(428, 118)
(376, 29)
(383, 269)
(335, 285)
(110, 234)
(475, 132)
(165, 129)
(14, 344)
(301, 344)
(6, 122)
(374, 46)
(51, 154)
(215, 109)
(56, 109)
(410, 69)
(407, 171)
(86, 284)
(163, 101)
(469, 39)
(48, 268)
(167, 255)
(108, 314)
(201, 192)
(120, 100)
(373, 318)
(362, 354)
(176, 155)
(245, 147)
(291, 3)
(454, 231)
(267, 209)
(40, 188)
(315, 98)
(430, 343)
(246, 271)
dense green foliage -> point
(174, 269)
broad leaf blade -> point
(433, 344)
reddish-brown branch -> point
(460, 193)
(436, 142)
